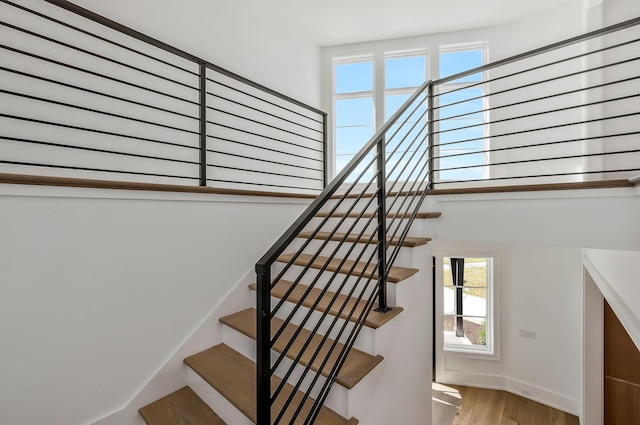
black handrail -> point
(78, 10)
(535, 52)
(265, 339)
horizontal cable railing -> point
(84, 97)
(340, 259)
(542, 116)
(563, 113)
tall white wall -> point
(227, 33)
(100, 288)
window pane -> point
(393, 102)
(454, 62)
(353, 112)
(354, 77)
(349, 140)
(467, 101)
(405, 72)
(468, 132)
(477, 172)
(466, 326)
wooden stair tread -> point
(356, 366)
(423, 215)
(182, 407)
(234, 377)
(396, 274)
(409, 242)
(374, 319)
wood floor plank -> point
(234, 377)
(396, 274)
(374, 319)
(484, 406)
(182, 407)
(409, 242)
(356, 366)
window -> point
(367, 83)
(467, 298)
(364, 99)
(461, 133)
(353, 108)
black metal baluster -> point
(382, 227)
(263, 341)
(203, 124)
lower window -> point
(467, 300)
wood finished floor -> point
(479, 406)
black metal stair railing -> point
(413, 152)
(383, 187)
(562, 113)
(83, 97)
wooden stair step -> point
(423, 215)
(396, 274)
(409, 242)
(182, 407)
(234, 377)
(374, 319)
(356, 366)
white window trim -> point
(493, 311)
(402, 46)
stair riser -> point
(247, 347)
(419, 228)
(365, 341)
(404, 257)
(227, 411)
(335, 284)
(361, 205)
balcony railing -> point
(83, 97)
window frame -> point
(492, 351)
(402, 46)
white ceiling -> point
(334, 22)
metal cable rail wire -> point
(88, 98)
(380, 186)
(568, 115)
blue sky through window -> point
(453, 62)
(405, 72)
(354, 77)
(355, 108)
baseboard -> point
(514, 386)
(543, 395)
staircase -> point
(224, 376)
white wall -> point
(100, 288)
(537, 289)
(598, 218)
(547, 229)
(229, 34)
